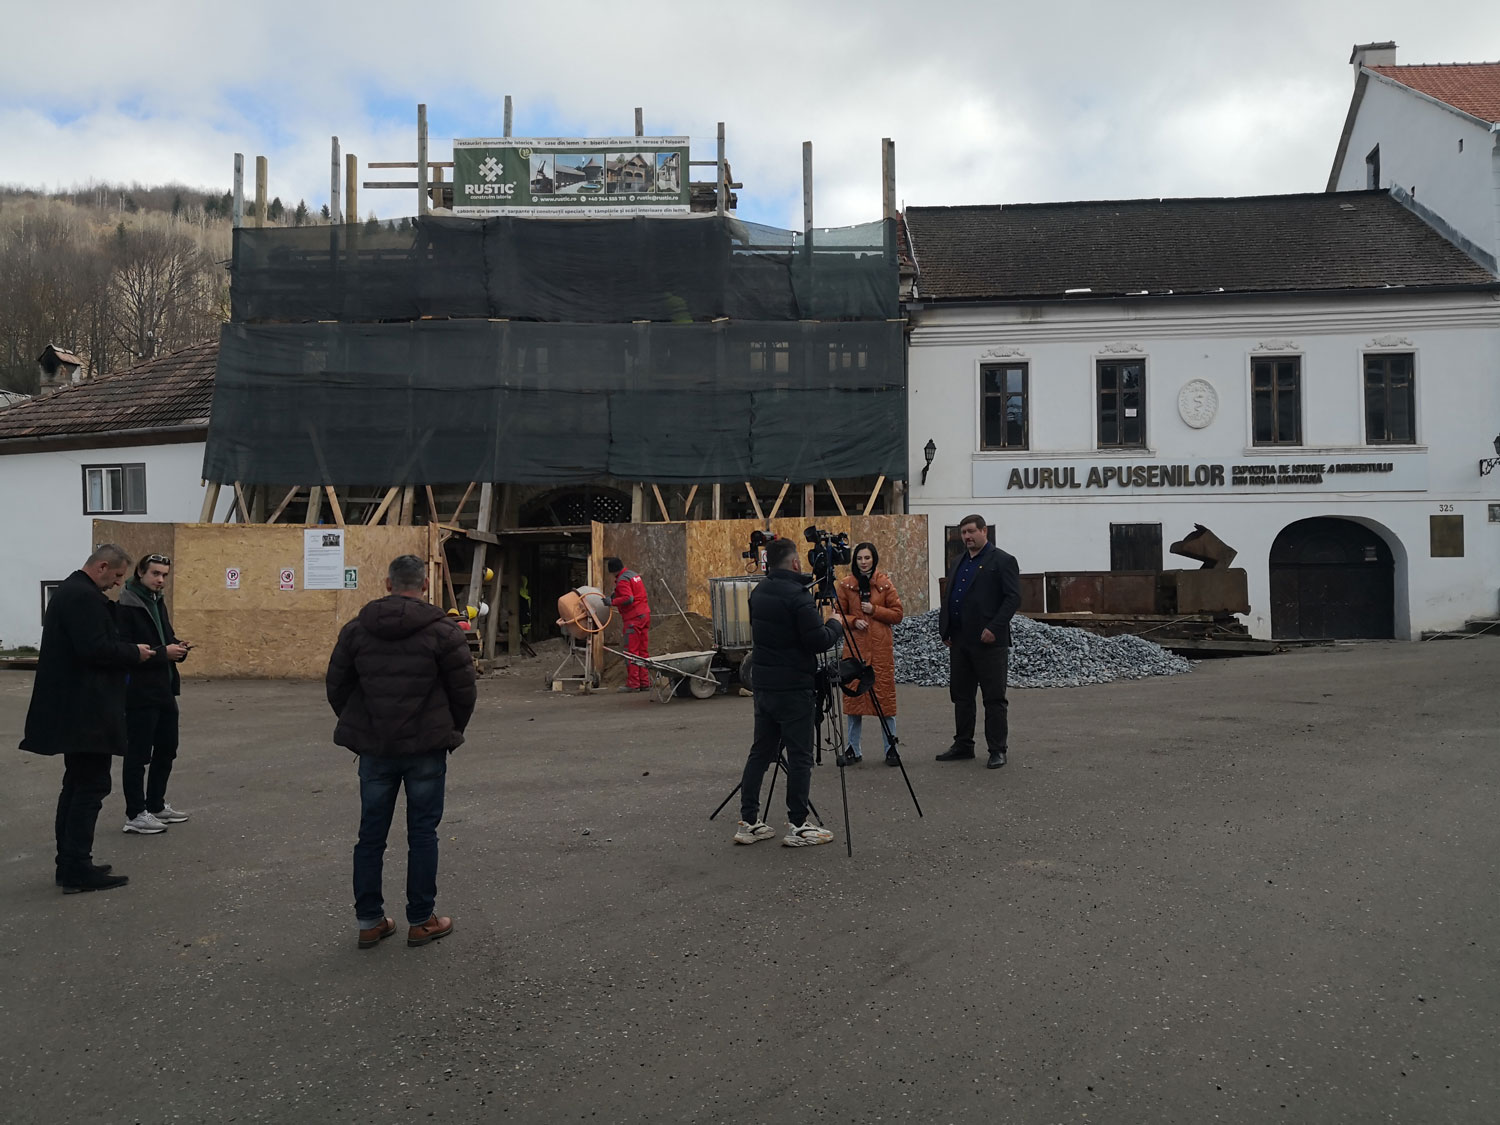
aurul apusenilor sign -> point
(615, 176)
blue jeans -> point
(380, 779)
(854, 724)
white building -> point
(1429, 134)
(124, 447)
(1312, 377)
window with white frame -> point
(111, 489)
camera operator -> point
(788, 635)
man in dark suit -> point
(78, 708)
(983, 594)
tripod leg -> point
(724, 802)
(844, 790)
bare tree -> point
(159, 296)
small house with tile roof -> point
(1312, 377)
(1429, 134)
(127, 446)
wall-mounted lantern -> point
(929, 451)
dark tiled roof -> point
(1471, 87)
(1260, 244)
(168, 390)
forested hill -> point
(114, 272)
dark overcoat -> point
(78, 698)
(992, 599)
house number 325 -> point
(1445, 507)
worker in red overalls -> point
(635, 614)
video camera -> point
(757, 551)
(829, 550)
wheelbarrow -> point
(669, 670)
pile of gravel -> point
(1041, 655)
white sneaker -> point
(145, 824)
(169, 815)
(806, 836)
(753, 833)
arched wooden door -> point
(1332, 579)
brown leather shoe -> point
(430, 930)
(377, 934)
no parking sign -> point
(232, 578)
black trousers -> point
(85, 785)
(981, 668)
(150, 740)
(782, 718)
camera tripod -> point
(828, 716)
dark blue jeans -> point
(380, 779)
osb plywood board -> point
(260, 630)
(714, 550)
(657, 551)
(140, 539)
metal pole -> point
(422, 158)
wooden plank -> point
(390, 495)
(780, 496)
(262, 175)
(637, 503)
(888, 177)
(666, 516)
(386, 185)
(210, 503)
(492, 619)
(409, 163)
(809, 500)
(754, 501)
(239, 190)
(507, 115)
(422, 200)
(874, 495)
(285, 500)
(351, 188)
(898, 498)
(408, 503)
(335, 172)
(333, 504)
(458, 511)
(314, 504)
(687, 508)
(720, 177)
(718, 505)
(448, 581)
(640, 122)
(807, 193)
(486, 520)
(837, 500)
(239, 503)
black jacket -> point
(154, 683)
(78, 697)
(788, 632)
(991, 601)
(401, 680)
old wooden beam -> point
(780, 496)
(262, 175)
(210, 503)
(874, 495)
(240, 507)
(285, 500)
(687, 508)
(333, 504)
(666, 516)
(837, 500)
(390, 496)
(459, 511)
(754, 501)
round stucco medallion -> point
(1197, 402)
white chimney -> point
(1372, 54)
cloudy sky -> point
(987, 102)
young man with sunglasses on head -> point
(150, 699)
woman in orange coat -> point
(870, 606)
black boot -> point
(101, 868)
(92, 879)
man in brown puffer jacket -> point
(402, 683)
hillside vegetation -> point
(114, 273)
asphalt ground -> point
(1265, 891)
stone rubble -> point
(1041, 655)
